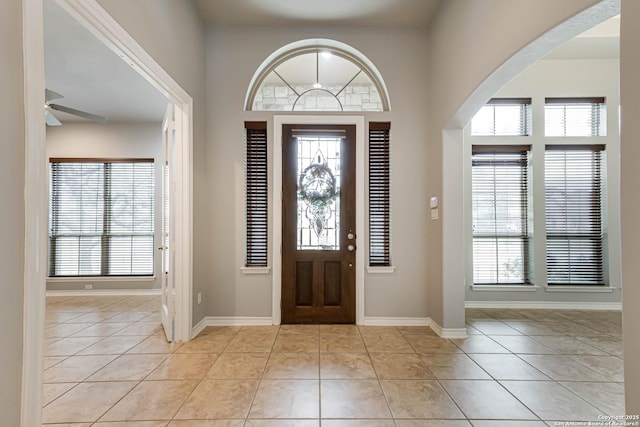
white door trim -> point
(97, 21)
(276, 257)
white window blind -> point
(503, 117)
(500, 214)
(101, 220)
(575, 117)
(573, 195)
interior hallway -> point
(107, 364)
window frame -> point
(107, 206)
(598, 107)
(525, 122)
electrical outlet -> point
(199, 297)
(88, 286)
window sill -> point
(381, 270)
(94, 279)
(505, 288)
(255, 270)
(583, 289)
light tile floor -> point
(107, 364)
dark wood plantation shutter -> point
(379, 194)
(573, 195)
(101, 217)
(500, 214)
(257, 196)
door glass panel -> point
(318, 210)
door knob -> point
(351, 236)
(351, 248)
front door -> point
(318, 229)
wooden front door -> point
(318, 224)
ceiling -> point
(315, 12)
(93, 78)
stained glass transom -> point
(318, 201)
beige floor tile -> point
(459, 369)
(93, 317)
(606, 343)
(551, 401)
(419, 399)
(296, 342)
(444, 359)
(569, 345)
(238, 366)
(129, 316)
(522, 345)
(207, 423)
(427, 344)
(151, 400)
(416, 330)
(103, 329)
(346, 366)
(53, 360)
(494, 327)
(340, 330)
(400, 366)
(507, 367)
(219, 399)
(260, 330)
(607, 397)
(140, 328)
(184, 367)
(299, 329)
(133, 424)
(154, 345)
(76, 368)
(496, 423)
(251, 342)
(387, 344)
(378, 330)
(358, 423)
(86, 402)
(610, 367)
(283, 423)
(61, 317)
(293, 366)
(210, 343)
(432, 423)
(486, 400)
(353, 399)
(69, 346)
(62, 330)
(562, 368)
(534, 328)
(129, 367)
(113, 345)
(473, 331)
(286, 399)
(479, 344)
(51, 392)
(349, 343)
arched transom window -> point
(321, 77)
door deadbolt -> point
(351, 248)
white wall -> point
(12, 179)
(233, 55)
(630, 202)
(142, 140)
(556, 78)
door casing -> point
(276, 204)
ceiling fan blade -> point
(50, 95)
(90, 116)
(50, 119)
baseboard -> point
(617, 306)
(230, 321)
(396, 321)
(448, 333)
(102, 292)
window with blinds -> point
(503, 117)
(573, 195)
(575, 117)
(379, 194)
(101, 217)
(500, 205)
(257, 198)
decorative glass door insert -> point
(318, 201)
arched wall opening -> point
(453, 230)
